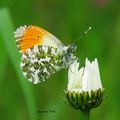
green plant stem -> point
(85, 115)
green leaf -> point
(6, 30)
(3, 60)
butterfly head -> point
(71, 48)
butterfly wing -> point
(29, 36)
(40, 62)
(41, 53)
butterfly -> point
(42, 53)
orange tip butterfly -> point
(42, 53)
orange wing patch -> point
(27, 37)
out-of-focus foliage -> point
(66, 19)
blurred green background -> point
(66, 19)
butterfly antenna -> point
(83, 35)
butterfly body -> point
(42, 53)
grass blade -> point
(6, 30)
(3, 61)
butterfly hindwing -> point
(40, 62)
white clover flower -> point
(85, 79)
(85, 90)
